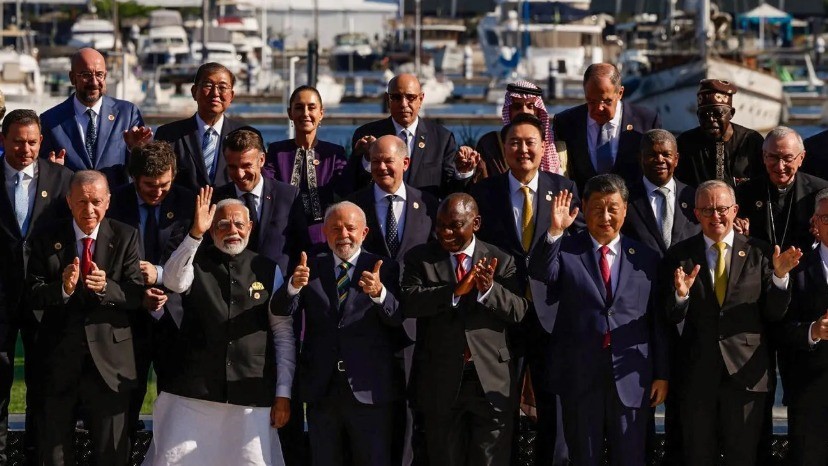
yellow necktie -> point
(526, 221)
(720, 277)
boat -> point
(353, 52)
(219, 52)
(20, 76)
(166, 41)
(91, 31)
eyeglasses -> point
(785, 159)
(224, 225)
(823, 219)
(715, 113)
(397, 97)
(207, 88)
(604, 102)
(88, 75)
(709, 211)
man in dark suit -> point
(33, 196)
(347, 372)
(603, 135)
(161, 212)
(198, 141)
(722, 369)
(431, 147)
(803, 343)
(816, 147)
(464, 294)
(90, 130)
(607, 355)
(85, 276)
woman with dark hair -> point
(314, 166)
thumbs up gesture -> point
(96, 280)
(301, 274)
(370, 281)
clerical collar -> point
(784, 190)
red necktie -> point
(86, 257)
(460, 272)
(603, 264)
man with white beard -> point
(236, 359)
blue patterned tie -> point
(404, 136)
(21, 203)
(343, 282)
(209, 143)
(603, 150)
(392, 237)
(91, 134)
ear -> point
(406, 163)
(194, 91)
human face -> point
(659, 162)
(231, 229)
(405, 99)
(715, 120)
(455, 226)
(605, 213)
(244, 168)
(88, 75)
(213, 94)
(306, 112)
(601, 98)
(345, 231)
(520, 105)
(387, 167)
(822, 227)
(717, 225)
(782, 157)
(153, 189)
(22, 145)
(88, 203)
(524, 148)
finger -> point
(776, 251)
(303, 259)
(76, 262)
(377, 267)
(573, 213)
(94, 266)
(695, 272)
(493, 264)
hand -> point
(658, 392)
(60, 158)
(370, 281)
(786, 261)
(819, 329)
(484, 275)
(154, 299)
(96, 280)
(149, 272)
(280, 412)
(70, 276)
(742, 226)
(683, 282)
(204, 213)
(562, 217)
(361, 146)
(301, 274)
(466, 159)
(136, 136)
(466, 285)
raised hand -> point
(301, 274)
(562, 217)
(137, 136)
(466, 159)
(204, 212)
(96, 280)
(784, 262)
(70, 276)
(60, 158)
(683, 282)
(154, 299)
(370, 281)
(741, 225)
(361, 146)
(819, 329)
(149, 272)
(484, 274)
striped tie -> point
(91, 134)
(209, 144)
(343, 282)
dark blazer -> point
(570, 126)
(183, 135)
(444, 331)
(102, 323)
(60, 131)
(730, 336)
(281, 233)
(816, 155)
(641, 224)
(420, 211)
(752, 197)
(360, 333)
(432, 162)
(576, 294)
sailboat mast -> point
(703, 27)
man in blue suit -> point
(90, 130)
(607, 354)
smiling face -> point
(244, 167)
(306, 111)
(153, 189)
(231, 229)
(659, 162)
(345, 230)
(456, 225)
(88, 203)
(405, 97)
(88, 75)
(22, 145)
(604, 215)
(782, 156)
(523, 149)
(711, 201)
(213, 94)
(388, 162)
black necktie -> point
(250, 202)
(151, 252)
(91, 135)
(392, 237)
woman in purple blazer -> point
(314, 166)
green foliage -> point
(128, 9)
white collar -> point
(614, 245)
(80, 108)
(650, 187)
(380, 194)
(728, 240)
(351, 260)
(202, 125)
(468, 250)
(412, 128)
(823, 252)
(257, 190)
(11, 172)
(515, 185)
(79, 235)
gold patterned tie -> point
(527, 223)
(720, 277)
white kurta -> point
(187, 431)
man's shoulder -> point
(373, 127)
(432, 125)
(119, 104)
(51, 170)
(489, 187)
(555, 180)
(817, 142)
(635, 249)
(490, 249)
(812, 183)
(640, 111)
(57, 113)
(173, 130)
(283, 191)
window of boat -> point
(491, 38)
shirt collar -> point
(728, 240)
(380, 194)
(468, 250)
(616, 120)
(614, 245)
(257, 190)
(11, 172)
(202, 126)
(79, 235)
(412, 128)
(650, 187)
(351, 260)
(80, 109)
(515, 185)
(823, 253)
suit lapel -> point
(544, 206)
(626, 256)
(46, 190)
(680, 222)
(104, 246)
(503, 202)
(327, 277)
(221, 164)
(106, 121)
(9, 220)
(641, 203)
(366, 198)
(266, 210)
(591, 265)
(194, 142)
(70, 128)
(419, 148)
(415, 218)
(583, 144)
(738, 257)
(626, 133)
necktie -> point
(343, 282)
(151, 235)
(86, 257)
(607, 279)
(91, 134)
(460, 272)
(720, 276)
(666, 221)
(250, 202)
(404, 136)
(392, 237)
(21, 203)
(603, 150)
(527, 221)
(209, 143)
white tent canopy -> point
(765, 11)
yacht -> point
(166, 41)
(91, 31)
(353, 52)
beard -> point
(346, 250)
(233, 249)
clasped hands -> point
(480, 277)
(95, 281)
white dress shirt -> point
(516, 196)
(82, 117)
(467, 266)
(381, 207)
(202, 127)
(30, 173)
(411, 130)
(257, 191)
(823, 255)
(655, 199)
(593, 129)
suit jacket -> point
(816, 155)
(360, 333)
(752, 197)
(432, 162)
(444, 331)
(571, 127)
(576, 293)
(731, 336)
(420, 211)
(183, 135)
(641, 224)
(101, 323)
(60, 131)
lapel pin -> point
(44, 194)
(683, 205)
(58, 246)
(759, 204)
(631, 251)
(170, 215)
(421, 145)
(315, 162)
(548, 197)
(256, 295)
(416, 205)
(111, 246)
(257, 286)
(629, 127)
(742, 254)
(267, 197)
(111, 117)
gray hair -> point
(232, 202)
(603, 70)
(710, 185)
(333, 208)
(606, 184)
(781, 132)
(820, 196)
(657, 136)
(87, 177)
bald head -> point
(457, 222)
(389, 161)
(405, 97)
(88, 75)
